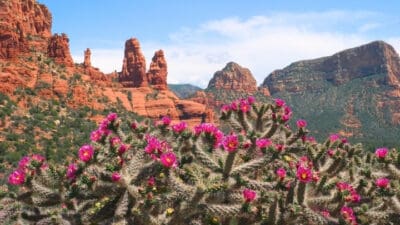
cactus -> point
(258, 172)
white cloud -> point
(260, 43)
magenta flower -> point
(112, 117)
(263, 143)
(225, 108)
(382, 182)
(249, 195)
(166, 120)
(134, 125)
(179, 127)
(286, 117)
(330, 152)
(334, 137)
(153, 144)
(86, 153)
(17, 177)
(251, 100)
(234, 106)
(304, 174)
(151, 181)
(342, 186)
(115, 177)
(325, 213)
(96, 135)
(279, 102)
(381, 152)
(244, 106)
(281, 173)
(348, 215)
(71, 171)
(122, 149)
(301, 123)
(279, 147)
(168, 159)
(230, 143)
(114, 141)
(23, 163)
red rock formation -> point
(133, 72)
(157, 74)
(59, 50)
(87, 62)
(23, 24)
(234, 77)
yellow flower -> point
(287, 158)
(170, 211)
(162, 175)
(214, 220)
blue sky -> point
(200, 37)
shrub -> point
(260, 172)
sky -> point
(201, 37)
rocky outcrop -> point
(58, 49)
(24, 25)
(157, 74)
(133, 72)
(373, 58)
(87, 61)
(233, 77)
(354, 92)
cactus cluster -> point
(258, 171)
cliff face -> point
(355, 92)
(34, 61)
(58, 49)
(233, 77)
(157, 74)
(374, 58)
(24, 25)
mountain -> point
(48, 101)
(183, 90)
(355, 93)
(230, 83)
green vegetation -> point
(183, 90)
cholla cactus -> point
(258, 172)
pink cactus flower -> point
(325, 213)
(301, 123)
(168, 159)
(263, 143)
(115, 141)
(122, 149)
(280, 147)
(244, 106)
(225, 108)
(334, 137)
(17, 177)
(330, 152)
(251, 100)
(249, 195)
(279, 102)
(71, 171)
(115, 177)
(342, 186)
(281, 173)
(234, 106)
(86, 153)
(304, 174)
(38, 158)
(96, 136)
(286, 117)
(151, 181)
(179, 127)
(230, 143)
(166, 120)
(23, 163)
(381, 152)
(348, 215)
(134, 126)
(153, 144)
(382, 182)
(112, 117)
